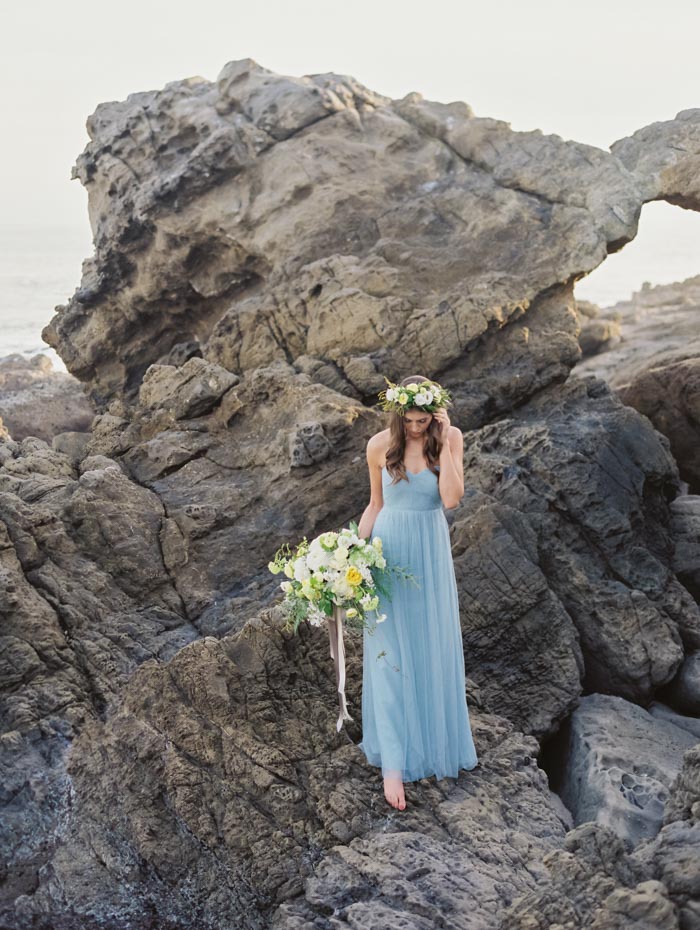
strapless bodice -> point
(419, 492)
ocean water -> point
(40, 268)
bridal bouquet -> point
(334, 575)
(333, 570)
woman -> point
(414, 711)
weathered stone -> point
(655, 367)
(267, 250)
(37, 401)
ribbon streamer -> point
(335, 634)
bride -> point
(414, 710)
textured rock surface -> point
(663, 159)
(684, 689)
(271, 461)
(685, 527)
(586, 480)
(663, 712)
(596, 881)
(620, 762)
(267, 248)
(37, 401)
(221, 773)
(655, 367)
(84, 598)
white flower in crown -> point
(426, 395)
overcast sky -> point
(592, 71)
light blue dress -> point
(415, 720)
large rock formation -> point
(267, 248)
(652, 359)
(268, 217)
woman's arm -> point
(376, 501)
(451, 482)
(369, 515)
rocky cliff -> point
(266, 249)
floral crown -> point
(425, 395)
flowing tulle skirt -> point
(414, 710)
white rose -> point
(391, 392)
(421, 399)
(342, 588)
(301, 570)
(316, 560)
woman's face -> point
(416, 423)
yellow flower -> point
(403, 398)
(289, 570)
(353, 575)
(412, 386)
(275, 569)
(351, 612)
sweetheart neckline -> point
(414, 473)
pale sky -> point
(592, 71)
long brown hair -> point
(432, 444)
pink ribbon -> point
(335, 634)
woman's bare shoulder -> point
(379, 439)
(378, 444)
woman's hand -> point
(443, 421)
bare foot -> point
(393, 792)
